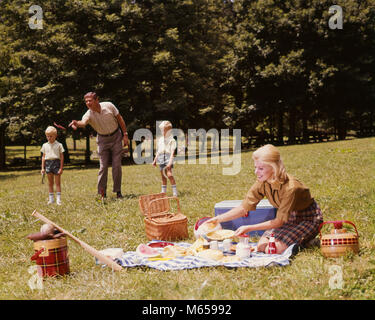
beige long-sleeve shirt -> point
(290, 195)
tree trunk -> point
(2, 147)
(305, 133)
(360, 132)
(88, 152)
(24, 152)
(130, 151)
(62, 139)
(341, 128)
(272, 128)
(292, 126)
(280, 128)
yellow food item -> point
(220, 234)
(159, 259)
(196, 247)
(230, 259)
(197, 244)
(174, 251)
(212, 254)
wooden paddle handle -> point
(101, 257)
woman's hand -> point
(213, 221)
(242, 230)
(43, 171)
(207, 226)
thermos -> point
(272, 245)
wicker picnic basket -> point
(160, 222)
(339, 241)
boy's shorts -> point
(52, 166)
(163, 160)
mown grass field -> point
(339, 174)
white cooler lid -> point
(263, 204)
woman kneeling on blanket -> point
(298, 216)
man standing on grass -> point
(106, 120)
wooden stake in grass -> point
(101, 257)
(102, 194)
(102, 199)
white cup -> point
(214, 245)
(226, 245)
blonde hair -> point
(165, 124)
(270, 155)
(51, 129)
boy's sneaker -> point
(119, 195)
(58, 202)
(50, 202)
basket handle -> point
(160, 199)
(36, 254)
(337, 224)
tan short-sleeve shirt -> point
(104, 122)
(291, 195)
(52, 151)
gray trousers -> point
(110, 148)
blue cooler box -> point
(264, 212)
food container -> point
(226, 245)
(339, 241)
(214, 245)
(272, 245)
(243, 247)
(51, 257)
(220, 235)
(206, 244)
(201, 229)
(161, 223)
(113, 253)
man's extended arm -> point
(78, 124)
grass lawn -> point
(340, 176)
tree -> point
(290, 63)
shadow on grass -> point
(126, 196)
(67, 166)
(12, 176)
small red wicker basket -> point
(339, 241)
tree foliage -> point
(275, 69)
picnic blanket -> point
(257, 259)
